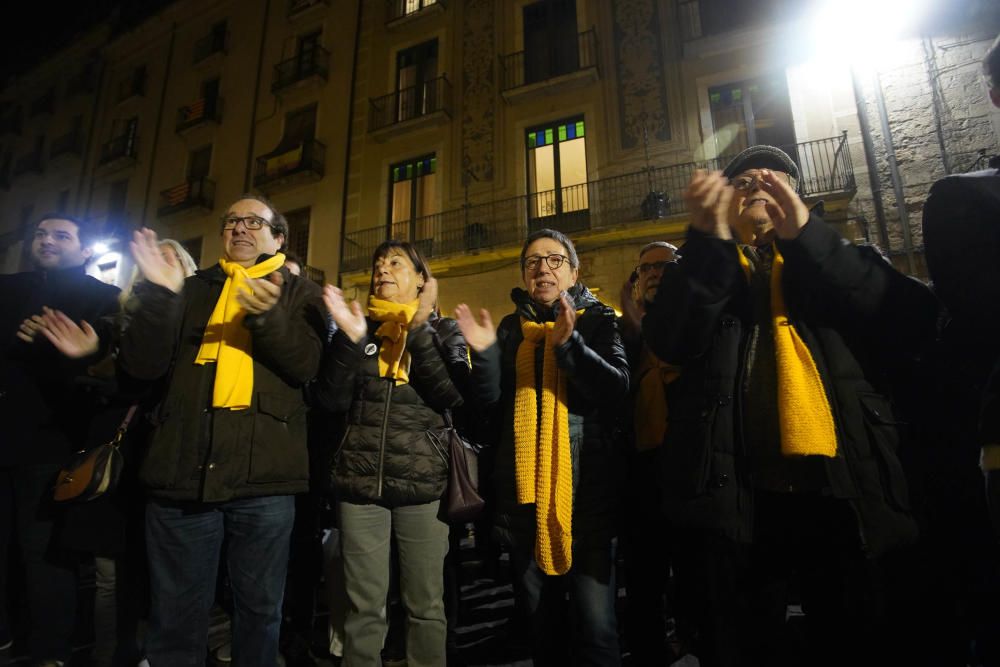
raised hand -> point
(707, 198)
(262, 295)
(428, 299)
(479, 335)
(565, 321)
(349, 319)
(155, 268)
(30, 328)
(790, 214)
(631, 313)
(74, 341)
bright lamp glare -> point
(863, 32)
(101, 248)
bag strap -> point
(447, 419)
(123, 427)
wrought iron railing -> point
(560, 57)
(303, 65)
(197, 192)
(307, 157)
(118, 148)
(409, 103)
(397, 9)
(198, 112)
(824, 165)
(70, 143)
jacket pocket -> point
(278, 448)
(883, 435)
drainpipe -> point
(159, 121)
(347, 150)
(248, 173)
(873, 180)
(897, 181)
(91, 140)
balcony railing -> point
(304, 65)
(210, 44)
(409, 103)
(398, 9)
(70, 143)
(31, 162)
(561, 57)
(824, 165)
(122, 148)
(202, 111)
(305, 160)
(297, 7)
(192, 193)
(45, 103)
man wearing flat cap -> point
(779, 456)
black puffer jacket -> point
(860, 319)
(205, 454)
(597, 372)
(393, 452)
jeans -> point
(422, 541)
(183, 542)
(28, 512)
(538, 598)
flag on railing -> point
(178, 194)
(195, 110)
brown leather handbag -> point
(461, 499)
(94, 473)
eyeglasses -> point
(646, 267)
(250, 222)
(747, 183)
(553, 261)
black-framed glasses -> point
(250, 222)
(553, 261)
(646, 267)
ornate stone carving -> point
(478, 88)
(642, 92)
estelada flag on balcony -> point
(195, 110)
(287, 160)
(178, 193)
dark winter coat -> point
(205, 454)
(594, 363)
(394, 452)
(857, 315)
(42, 406)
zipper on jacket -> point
(381, 440)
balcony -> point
(45, 103)
(310, 66)
(197, 113)
(134, 86)
(84, 83)
(559, 68)
(193, 195)
(67, 145)
(399, 12)
(118, 152)
(299, 8)
(303, 163)
(411, 108)
(722, 25)
(210, 45)
(30, 163)
(632, 205)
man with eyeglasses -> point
(229, 351)
(780, 448)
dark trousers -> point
(27, 518)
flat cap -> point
(761, 157)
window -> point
(298, 233)
(410, 6)
(300, 126)
(217, 36)
(117, 196)
(416, 70)
(210, 93)
(557, 168)
(133, 85)
(413, 193)
(550, 39)
(752, 112)
(308, 53)
(199, 162)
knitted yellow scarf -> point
(393, 359)
(543, 466)
(650, 410)
(804, 414)
(227, 342)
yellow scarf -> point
(650, 411)
(804, 414)
(543, 466)
(227, 342)
(393, 359)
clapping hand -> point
(160, 268)
(428, 299)
(789, 214)
(73, 340)
(707, 198)
(565, 320)
(349, 319)
(478, 335)
(262, 295)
